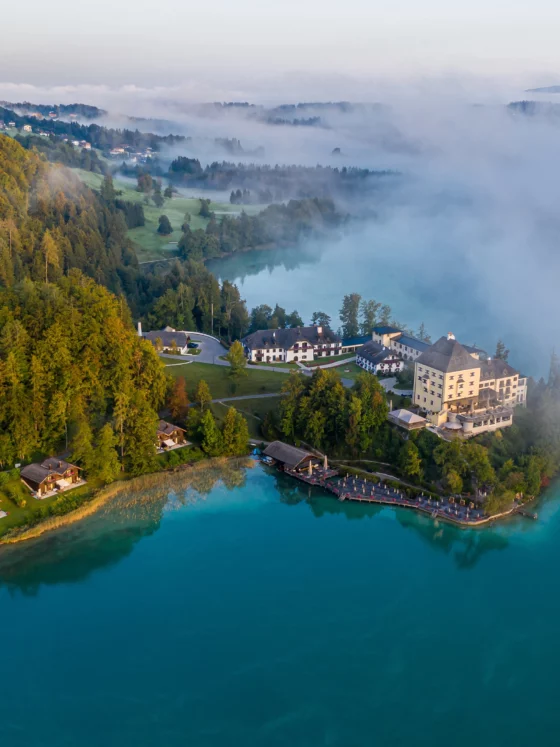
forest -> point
(276, 224)
(274, 183)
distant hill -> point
(546, 89)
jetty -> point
(314, 470)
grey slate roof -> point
(286, 338)
(413, 343)
(448, 356)
(374, 353)
(51, 466)
(496, 369)
(167, 337)
(289, 455)
(168, 429)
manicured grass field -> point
(348, 370)
(222, 384)
(149, 244)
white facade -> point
(299, 349)
(387, 366)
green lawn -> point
(254, 411)
(149, 244)
(221, 383)
(348, 370)
(20, 515)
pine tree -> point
(228, 432)
(502, 353)
(82, 445)
(105, 463)
(409, 460)
(211, 436)
(50, 253)
(140, 436)
(349, 315)
(241, 440)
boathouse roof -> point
(288, 455)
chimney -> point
(319, 330)
(139, 329)
(450, 336)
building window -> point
(451, 378)
(472, 373)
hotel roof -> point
(448, 355)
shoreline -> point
(402, 502)
(108, 493)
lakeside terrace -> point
(312, 470)
(462, 512)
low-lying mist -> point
(466, 239)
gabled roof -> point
(286, 338)
(374, 353)
(167, 337)
(289, 455)
(448, 356)
(406, 416)
(413, 343)
(51, 466)
(167, 429)
(496, 369)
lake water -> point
(423, 280)
(247, 609)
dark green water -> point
(257, 612)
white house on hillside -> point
(297, 344)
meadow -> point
(149, 245)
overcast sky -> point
(212, 45)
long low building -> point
(167, 340)
(405, 346)
(294, 344)
(378, 359)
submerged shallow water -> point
(247, 609)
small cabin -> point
(50, 476)
(170, 436)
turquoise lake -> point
(246, 609)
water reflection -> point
(465, 546)
(246, 264)
(72, 553)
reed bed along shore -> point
(201, 474)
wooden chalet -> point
(289, 457)
(170, 436)
(49, 476)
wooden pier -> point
(360, 490)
